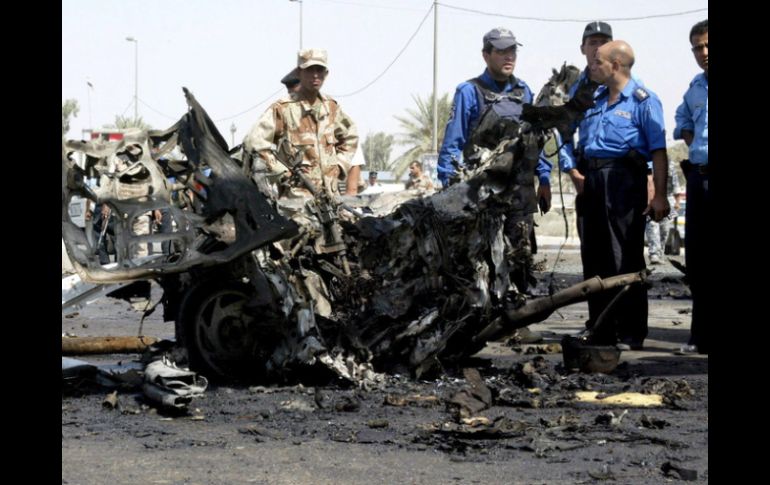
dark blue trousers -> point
(696, 256)
(613, 201)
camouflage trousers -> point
(141, 227)
(656, 233)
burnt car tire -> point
(218, 334)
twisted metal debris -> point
(252, 285)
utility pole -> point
(136, 77)
(435, 76)
(88, 91)
(300, 22)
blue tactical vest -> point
(497, 111)
(499, 118)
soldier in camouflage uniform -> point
(657, 232)
(417, 179)
(311, 121)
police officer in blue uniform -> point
(692, 125)
(623, 130)
(496, 92)
(471, 98)
(595, 35)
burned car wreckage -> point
(259, 286)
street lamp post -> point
(232, 130)
(136, 76)
(300, 22)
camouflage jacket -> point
(422, 182)
(328, 134)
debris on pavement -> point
(171, 386)
(105, 345)
(472, 399)
(674, 471)
(633, 399)
(111, 401)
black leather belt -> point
(597, 163)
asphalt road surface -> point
(406, 432)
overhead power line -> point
(544, 19)
(129, 105)
(371, 5)
(253, 107)
(155, 110)
(393, 61)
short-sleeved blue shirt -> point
(693, 115)
(567, 150)
(633, 122)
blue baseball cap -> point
(500, 38)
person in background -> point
(657, 232)
(104, 231)
(373, 179)
(417, 179)
(595, 35)
(291, 81)
(692, 126)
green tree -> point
(418, 130)
(123, 122)
(377, 148)
(68, 108)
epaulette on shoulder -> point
(641, 94)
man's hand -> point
(578, 180)
(688, 137)
(658, 208)
(650, 189)
(544, 198)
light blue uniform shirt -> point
(693, 115)
(465, 110)
(567, 151)
(633, 122)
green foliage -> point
(418, 131)
(377, 148)
(123, 122)
(68, 108)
